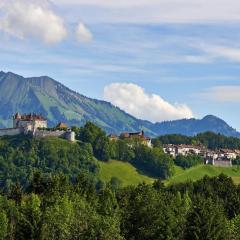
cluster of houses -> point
(221, 157)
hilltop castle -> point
(36, 125)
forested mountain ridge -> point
(192, 127)
(60, 104)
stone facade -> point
(30, 121)
(68, 135)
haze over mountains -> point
(60, 104)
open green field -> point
(198, 172)
(124, 171)
(129, 175)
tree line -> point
(210, 140)
(55, 208)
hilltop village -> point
(221, 157)
(37, 126)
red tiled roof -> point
(61, 126)
(29, 117)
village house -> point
(175, 150)
(228, 153)
(36, 125)
(140, 136)
(188, 149)
(170, 149)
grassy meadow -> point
(124, 171)
(129, 175)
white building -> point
(30, 122)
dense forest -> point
(50, 190)
(209, 139)
(188, 161)
(55, 208)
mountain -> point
(60, 104)
(191, 127)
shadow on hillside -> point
(146, 172)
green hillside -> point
(129, 175)
(123, 171)
(198, 172)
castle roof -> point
(139, 135)
(29, 117)
(61, 126)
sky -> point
(156, 59)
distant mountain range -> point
(191, 127)
(60, 104)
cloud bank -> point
(222, 94)
(159, 11)
(24, 18)
(134, 100)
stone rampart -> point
(45, 133)
(10, 132)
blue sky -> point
(158, 60)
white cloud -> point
(224, 94)
(134, 100)
(229, 53)
(83, 33)
(158, 11)
(26, 18)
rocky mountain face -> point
(60, 104)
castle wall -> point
(45, 133)
(222, 163)
(70, 136)
(10, 132)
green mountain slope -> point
(58, 103)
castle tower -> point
(70, 136)
(16, 119)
